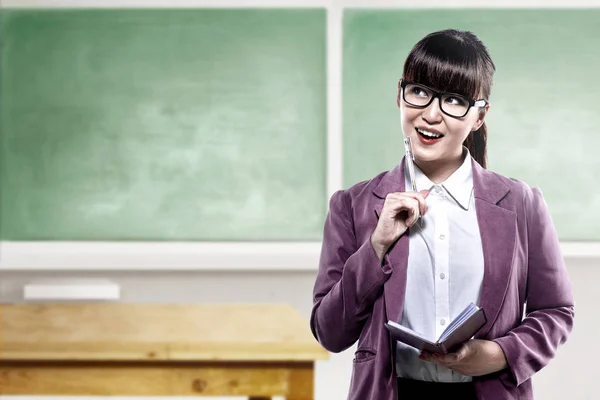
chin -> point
(432, 157)
(422, 155)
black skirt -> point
(410, 389)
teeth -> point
(429, 134)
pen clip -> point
(408, 148)
(409, 162)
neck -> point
(439, 170)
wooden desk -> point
(156, 349)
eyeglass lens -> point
(419, 96)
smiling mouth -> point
(428, 135)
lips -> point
(429, 133)
(426, 138)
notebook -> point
(461, 329)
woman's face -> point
(432, 119)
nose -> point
(432, 113)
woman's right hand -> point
(400, 212)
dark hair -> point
(454, 61)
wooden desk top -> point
(154, 332)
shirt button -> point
(442, 322)
(442, 237)
(442, 275)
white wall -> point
(571, 375)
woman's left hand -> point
(474, 358)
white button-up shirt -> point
(445, 268)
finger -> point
(445, 359)
(456, 356)
(403, 203)
(412, 208)
(431, 358)
(426, 356)
(419, 196)
(413, 214)
(439, 359)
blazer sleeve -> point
(550, 305)
(349, 279)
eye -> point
(418, 91)
(456, 101)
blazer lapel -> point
(497, 227)
(395, 287)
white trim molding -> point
(192, 256)
(580, 250)
(335, 164)
(161, 256)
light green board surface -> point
(543, 125)
(163, 124)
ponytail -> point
(476, 142)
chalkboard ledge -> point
(199, 256)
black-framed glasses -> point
(452, 104)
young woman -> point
(482, 238)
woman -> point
(482, 238)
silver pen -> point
(410, 159)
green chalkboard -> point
(543, 123)
(163, 124)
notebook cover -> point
(463, 333)
(412, 340)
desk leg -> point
(302, 382)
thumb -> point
(463, 351)
(425, 193)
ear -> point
(481, 117)
(399, 94)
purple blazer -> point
(354, 296)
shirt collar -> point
(459, 185)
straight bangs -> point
(446, 68)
